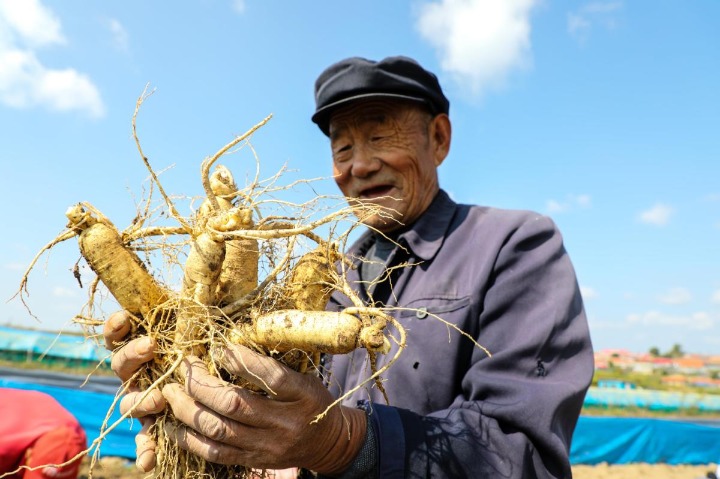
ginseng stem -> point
(168, 202)
(65, 235)
(208, 162)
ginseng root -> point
(120, 269)
(311, 332)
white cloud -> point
(598, 324)
(588, 293)
(716, 297)
(658, 215)
(675, 296)
(577, 24)
(602, 7)
(119, 35)
(239, 6)
(582, 21)
(553, 206)
(697, 321)
(24, 81)
(583, 200)
(30, 22)
(479, 41)
(571, 202)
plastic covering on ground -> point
(32, 342)
(596, 440)
(651, 399)
(622, 440)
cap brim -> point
(322, 116)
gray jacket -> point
(504, 278)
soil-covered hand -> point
(275, 428)
(126, 361)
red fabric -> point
(36, 430)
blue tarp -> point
(624, 440)
(596, 440)
(63, 345)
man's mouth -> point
(375, 192)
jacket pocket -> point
(431, 307)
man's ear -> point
(440, 136)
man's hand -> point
(126, 362)
(227, 424)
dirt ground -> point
(111, 468)
(642, 471)
(117, 468)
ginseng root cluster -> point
(247, 278)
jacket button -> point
(421, 313)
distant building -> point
(677, 380)
(689, 365)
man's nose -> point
(365, 163)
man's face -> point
(386, 153)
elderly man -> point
(502, 277)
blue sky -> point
(604, 115)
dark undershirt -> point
(376, 258)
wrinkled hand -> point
(227, 424)
(126, 362)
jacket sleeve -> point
(517, 409)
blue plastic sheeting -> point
(596, 439)
(52, 344)
(90, 409)
(93, 383)
(628, 440)
(650, 399)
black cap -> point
(357, 78)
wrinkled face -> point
(386, 153)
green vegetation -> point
(647, 381)
(675, 352)
(633, 411)
(59, 365)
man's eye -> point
(342, 152)
(341, 148)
